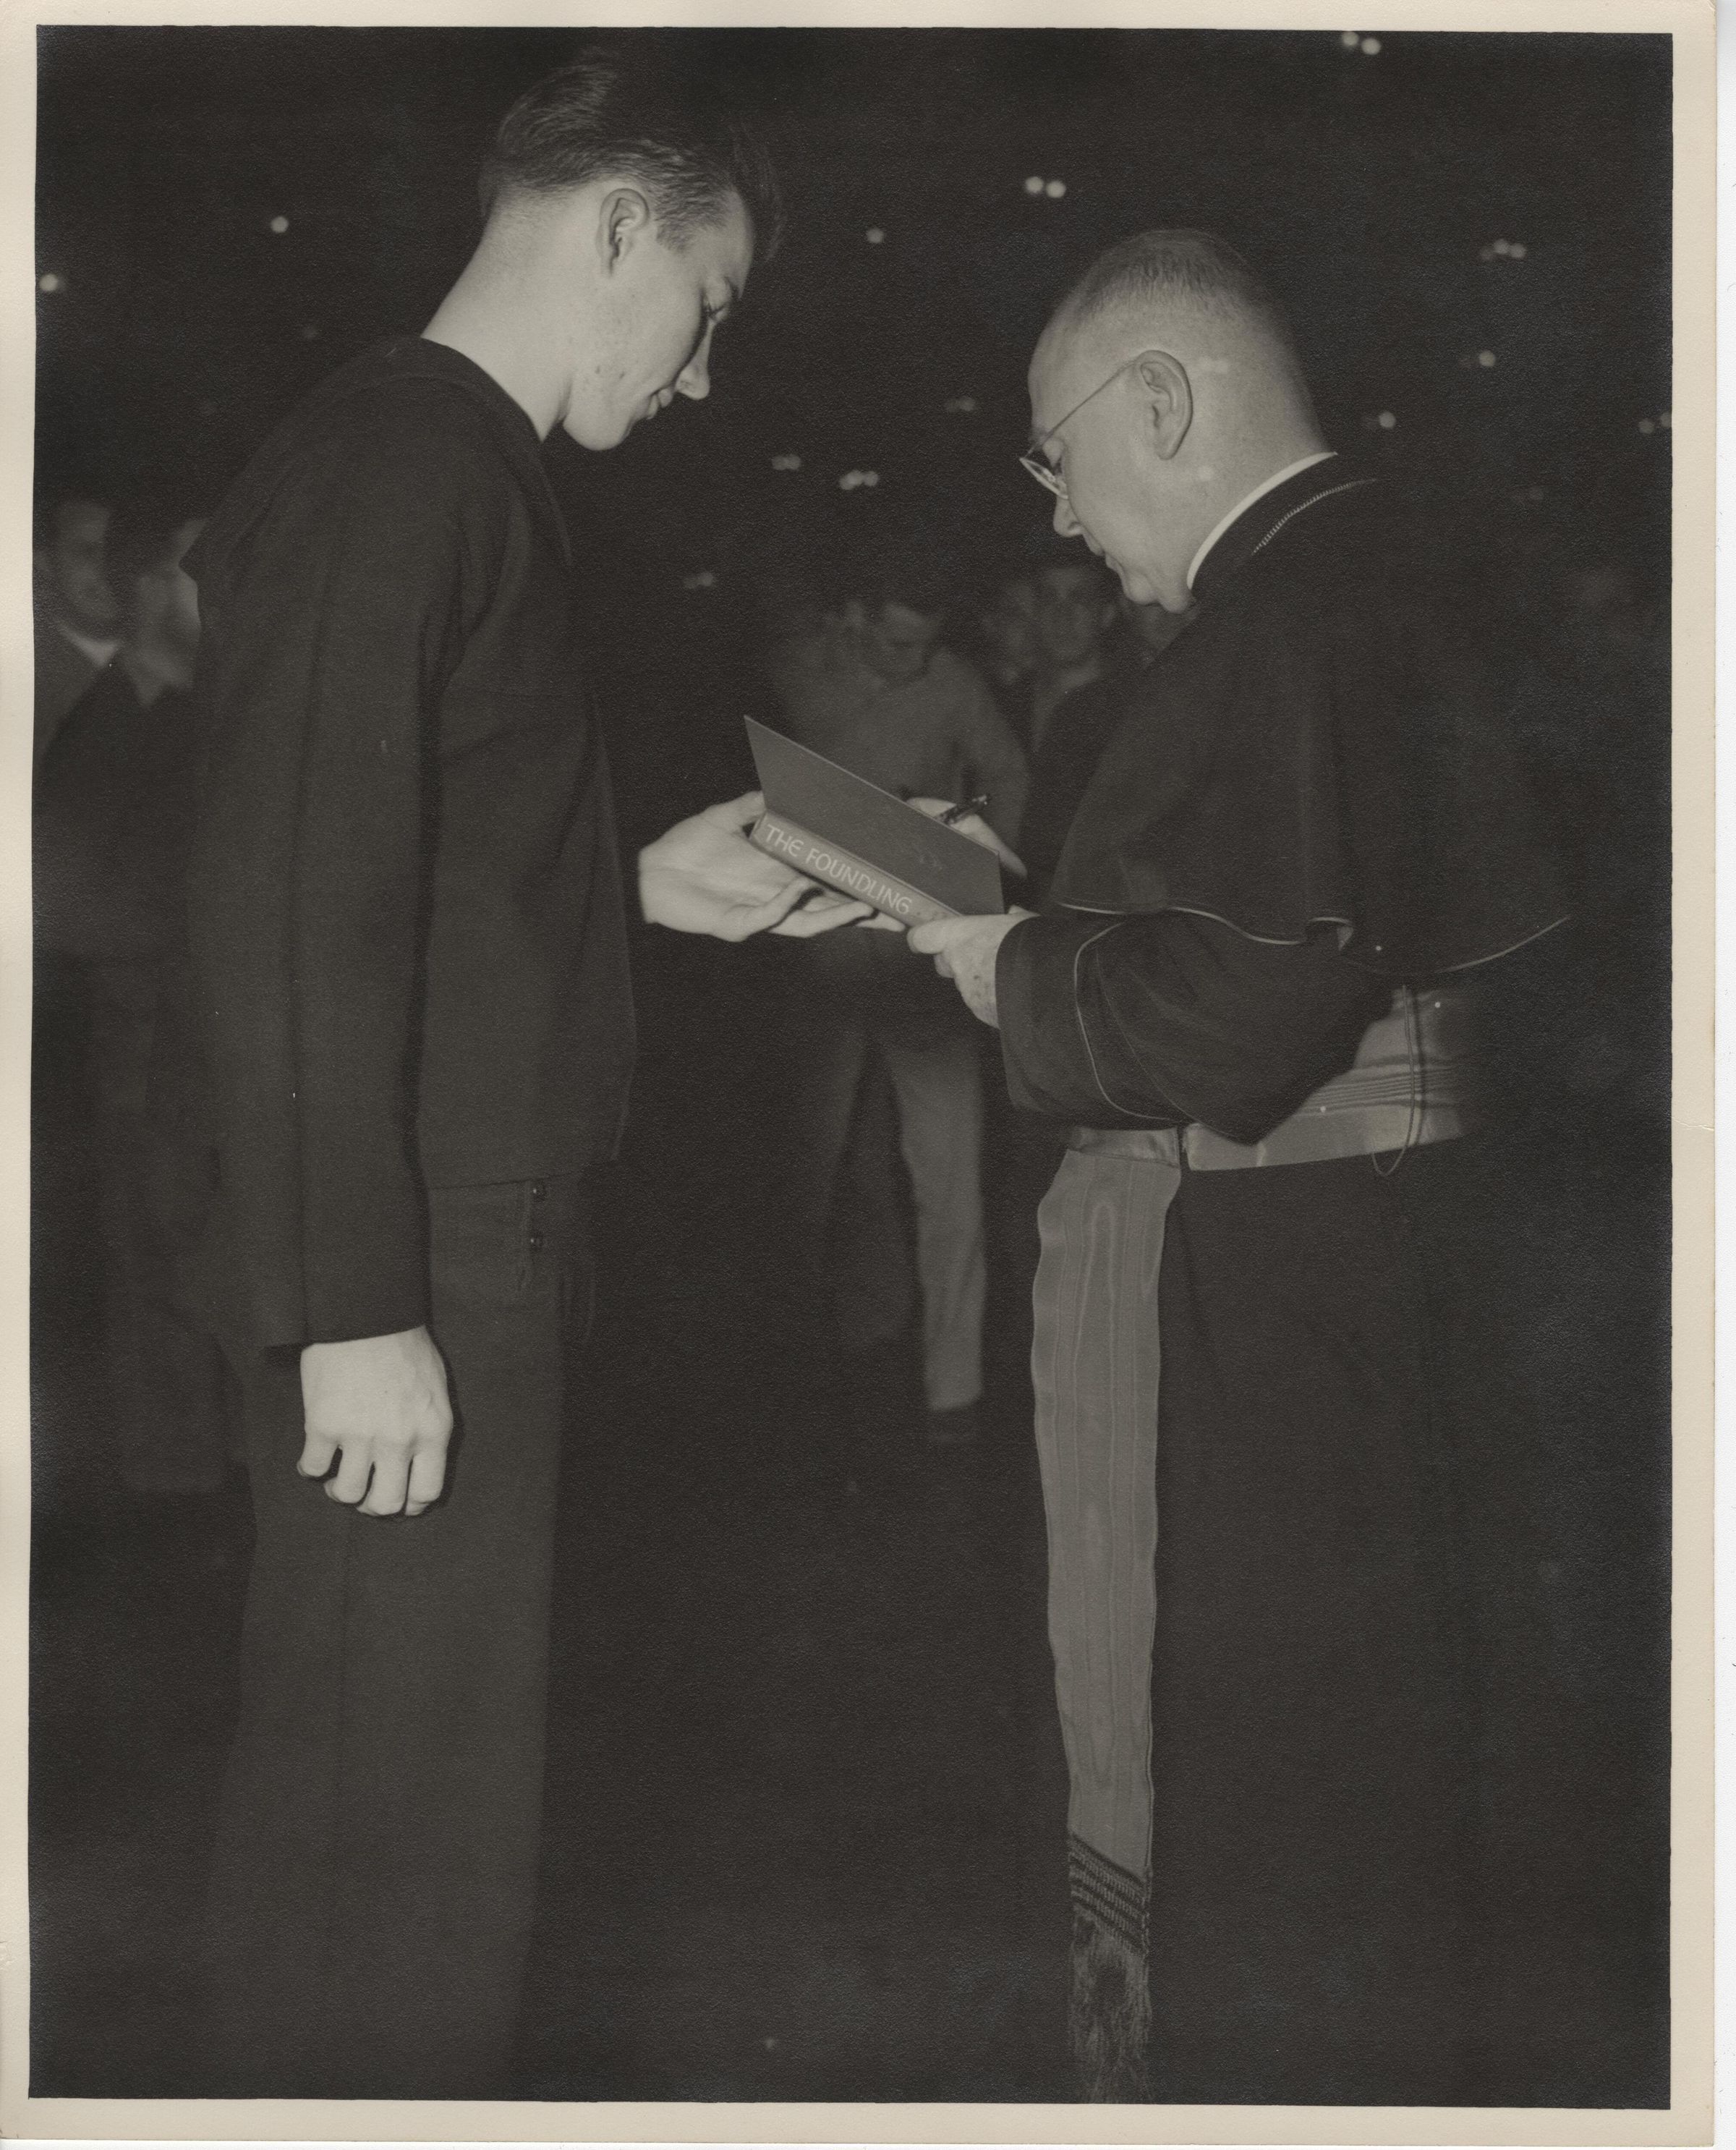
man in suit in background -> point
(77, 621)
(1075, 611)
(404, 1041)
(1079, 726)
(114, 814)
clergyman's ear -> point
(1170, 400)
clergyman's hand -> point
(971, 826)
(964, 950)
(380, 1406)
(703, 876)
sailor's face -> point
(672, 296)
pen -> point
(954, 815)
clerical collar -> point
(1272, 509)
(1247, 501)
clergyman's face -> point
(1114, 496)
(670, 300)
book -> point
(837, 828)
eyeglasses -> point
(1037, 464)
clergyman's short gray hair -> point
(1190, 268)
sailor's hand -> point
(378, 1407)
(703, 876)
(965, 950)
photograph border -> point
(1688, 2119)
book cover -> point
(838, 829)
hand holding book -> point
(911, 860)
(967, 824)
(703, 876)
(967, 950)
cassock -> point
(1270, 1412)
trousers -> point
(936, 1084)
(169, 1402)
(375, 1868)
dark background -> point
(1365, 186)
(805, 1800)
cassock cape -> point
(1322, 748)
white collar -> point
(99, 648)
(1247, 501)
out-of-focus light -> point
(870, 478)
(280, 225)
(1034, 186)
(1371, 46)
(309, 332)
(1350, 39)
(50, 282)
(1486, 358)
(849, 481)
(964, 404)
(1499, 246)
(703, 580)
(1386, 422)
(1055, 188)
(1515, 252)
(1664, 420)
(1647, 426)
(786, 463)
(874, 236)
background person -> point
(900, 709)
(114, 820)
(77, 621)
(1073, 613)
(1079, 728)
(1006, 633)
